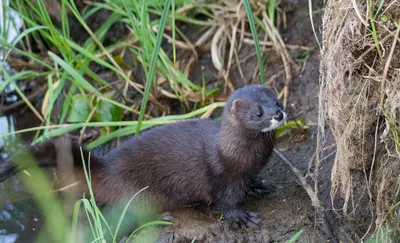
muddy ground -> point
(288, 209)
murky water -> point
(19, 218)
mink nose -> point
(278, 116)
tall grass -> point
(67, 65)
(71, 62)
(150, 72)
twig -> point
(270, 43)
(215, 58)
(205, 37)
(320, 210)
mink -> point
(186, 162)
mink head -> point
(256, 108)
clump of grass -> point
(87, 97)
(69, 70)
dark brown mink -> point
(187, 162)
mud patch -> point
(287, 210)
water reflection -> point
(19, 217)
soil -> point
(288, 209)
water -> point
(19, 218)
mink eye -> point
(260, 112)
(277, 103)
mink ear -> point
(236, 105)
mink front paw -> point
(243, 219)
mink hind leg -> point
(229, 202)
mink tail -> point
(63, 152)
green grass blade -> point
(149, 79)
(90, 216)
(173, 31)
(255, 38)
(373, 31)
(121, 218)
(271, 10)
(19, 38)
(18, 76)
(67, 103)
(100, 61)
(64, 20)
(77, 78)
(75, 217)
(93, 208)
(58, 130)
(146, 225)
(23, 53)
(115, 134)
(296, 236)
(379, 8)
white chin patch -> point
(274, 124)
